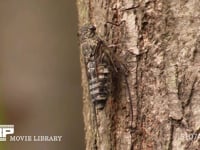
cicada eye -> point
(92, 28)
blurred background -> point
(40, 90)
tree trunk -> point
(162, 41)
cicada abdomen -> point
(100, 85)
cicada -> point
(103, 68)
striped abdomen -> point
(99, 83)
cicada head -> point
(87, 31)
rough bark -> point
(163, 38)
